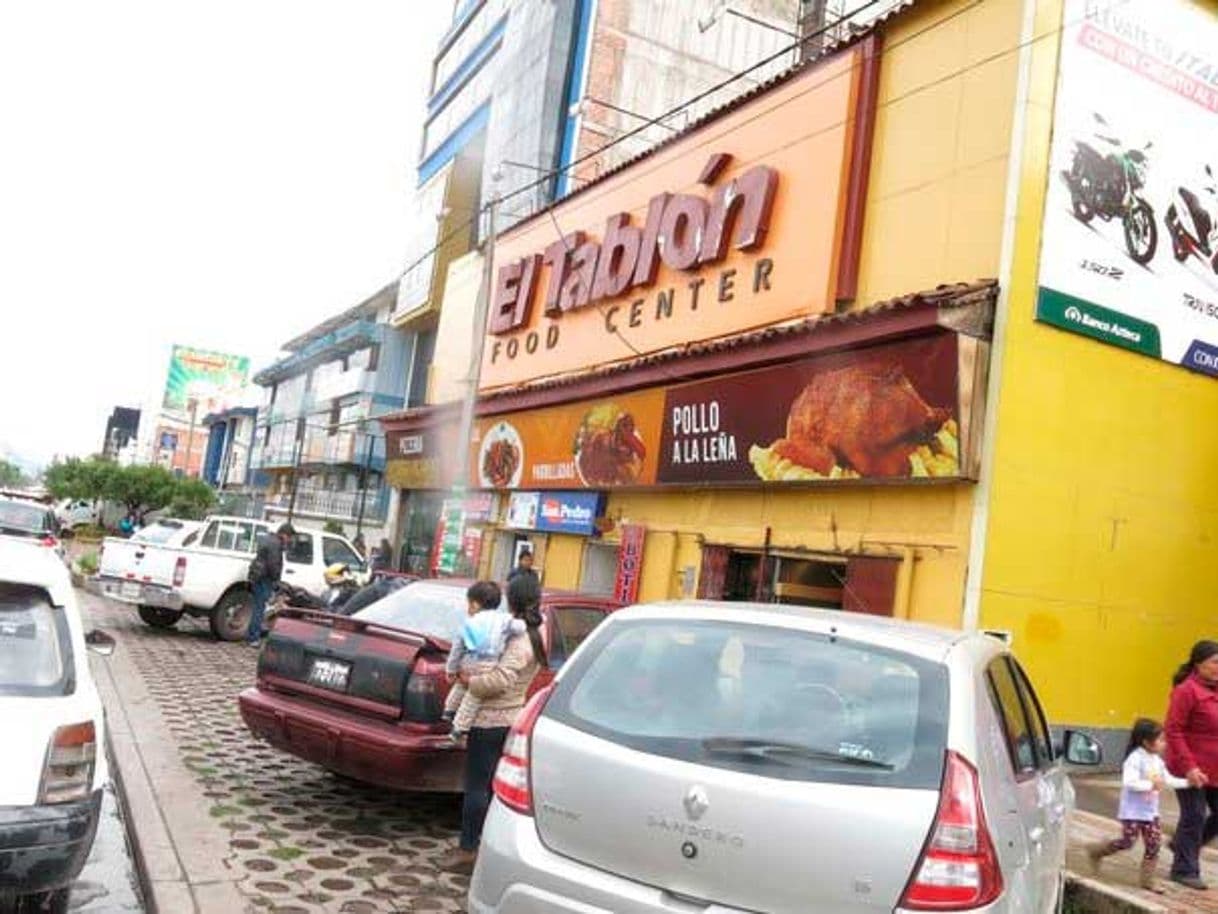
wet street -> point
(107, 884)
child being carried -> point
(476, 649)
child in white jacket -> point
(1143, 777)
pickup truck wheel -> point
(158, 617)
(230, 620)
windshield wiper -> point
(784, 752)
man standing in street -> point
(265, 571)
(524, 566)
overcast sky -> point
(220, 174)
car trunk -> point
(351, 664)
(146, 563)
(710, 835)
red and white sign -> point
(629, 563)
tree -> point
(11, 475)
(192, 499)
(88, 480)
(141, 488)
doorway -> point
(782, 579)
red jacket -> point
(1192, 729)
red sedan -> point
(364, 695)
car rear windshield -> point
(157, 533)
(769, 701)
(35, 649)
(18, 517)
(435, 610)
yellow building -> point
(850, 379)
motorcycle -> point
(1107, 185)
(1192, 222)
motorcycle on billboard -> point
(1109, 183)
(1192, 221)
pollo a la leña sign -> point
(888, 412)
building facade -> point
(122, 428)
(853, 340)
(316, 438)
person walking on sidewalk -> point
(1143, 777)
(265, 571)
(502, 693)
(1192, 753)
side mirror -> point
(99, 642)
(1081, 749)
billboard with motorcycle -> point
(1129, 250)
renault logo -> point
(696, 802)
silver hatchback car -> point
(709, 758)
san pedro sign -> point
(751, 219)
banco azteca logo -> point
(1074, 314)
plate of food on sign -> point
(501, 457)
(608, 448)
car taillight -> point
(68, 772)
(179, 571)
(959, 867)
(49, 541)
(513, 783)
(423, 702)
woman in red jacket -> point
(1192, 753)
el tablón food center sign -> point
(747, 221)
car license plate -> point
(130, 591)
(330, 674)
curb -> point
(132, 836)
(134, 791)
(1096, 897)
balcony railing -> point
(339, 505)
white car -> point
(209, 577)
(53, 766)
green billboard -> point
(208, 378)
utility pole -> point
(190, 436)
(481, 309)
(300, 432)
(363, 486)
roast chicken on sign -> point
(867, 417)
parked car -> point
(209, 577)
(53, 768)
(76, 512)
(744, 758)
(169, 531)
(363, 695)
(32, 520)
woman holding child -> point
(499, 694)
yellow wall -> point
(1102, 544)
(941, 146)
(450, 366)
(562, 561)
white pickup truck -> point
(209, 577)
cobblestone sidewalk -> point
(299, 840)
(1120, 871)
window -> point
(335, 550)
(1040, 727)
(209, 536)
(765, 701)
(243, 541)
(300, 550)
(35, 650)
(374, 356)
(575, 623)
(1020, 742)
